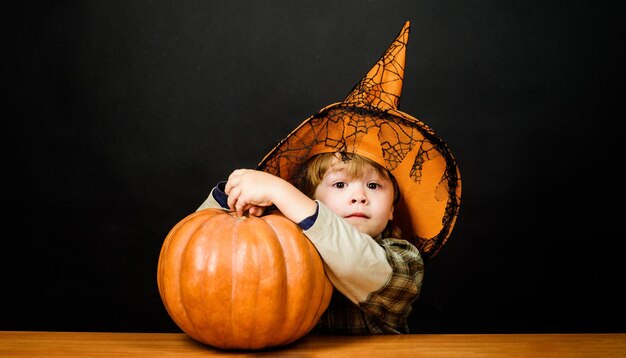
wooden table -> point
(90, 344)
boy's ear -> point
(391, 212)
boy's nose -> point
(359, 197)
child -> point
(354, 177)
(378, 277)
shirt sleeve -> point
(391, 305)
(217, 198)
(355, 263)
(385, 311)
(307, 222)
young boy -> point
(378, 276)
(353, 177)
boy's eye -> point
(373, 185)
(340, 185)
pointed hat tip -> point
(382, 85)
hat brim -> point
(428, 177)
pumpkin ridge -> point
(300, 323)
(177, 241)
(223, 224)
(254, 264)
(181, 287)
(282, 228)
(306, 323)
(203, 280)
(236, 326)
(320, 284)
(277, 338)
(277, 273)
(233, 262)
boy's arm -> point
(385, 311)
(355, 263)
(392, 303)
(383, 278)
(248, 188)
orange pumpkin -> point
(241, 282)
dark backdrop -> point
(120, 117)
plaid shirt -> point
(384, 311)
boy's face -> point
(365, 202)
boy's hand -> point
(250, 190)
(253, 190)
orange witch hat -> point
(368, 122)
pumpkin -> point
(241, 282)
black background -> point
(121, 116)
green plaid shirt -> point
(384, 311)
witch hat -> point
(368, 122)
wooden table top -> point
(103, 344)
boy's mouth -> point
(357, 215)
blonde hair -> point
(313, 170)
